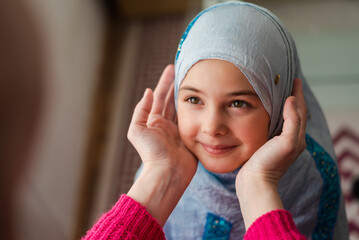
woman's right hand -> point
(154, 132)
(168, 166)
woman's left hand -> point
(257, 181)
(271, 161)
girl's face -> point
(221, 119)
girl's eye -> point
(238, 104)
(193, 100)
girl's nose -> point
(213, 124)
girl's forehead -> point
(216, 76)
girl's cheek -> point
(186, 133)
(187, 125)
(259, 125)
(189, 118)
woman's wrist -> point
(158, 189)
(257, 196)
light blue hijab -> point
(254, 40)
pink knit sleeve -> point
(126, 220)
(277, 224)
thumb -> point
(292, 119)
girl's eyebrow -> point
(190, 89)
(243, 92)
(236, 93)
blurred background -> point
(99, 56)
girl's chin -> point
(220, 169)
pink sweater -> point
(129, 220)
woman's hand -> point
(257, 181)
(154, 132)
(168, 166)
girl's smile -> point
(217, 149)
(221, 119)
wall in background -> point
(327, 36)
(73, 32)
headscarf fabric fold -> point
(255, 41)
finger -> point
(143, 109)
(162, 89)
(170, 111)
(301, 106)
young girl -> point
(231, 147)
(234, 69)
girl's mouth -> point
(217, 149)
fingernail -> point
(146, 91)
